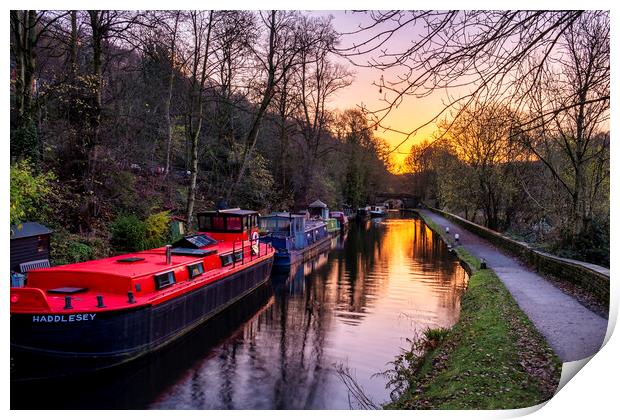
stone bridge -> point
(408, 201)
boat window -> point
(226, 259)
(218, 223)
(234, 223)
(164, 280)
(275, 225)
(204, 222)
(238, 255)
(195, 270)
(251, 221)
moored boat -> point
(363, 213)
(377, 211)
(343, 220)
(294, 237)
(319, 210)
(102, 313)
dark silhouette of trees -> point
(137, 112)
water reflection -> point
(355, 305)
(136, 385)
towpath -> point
(573, 331)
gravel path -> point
(573, 331)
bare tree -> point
(474, 55)
(284, 105)
(168, 98)
(235, 32)
(480, 136)
(568, 119)
(201, 28)
(106, 27)
(278, 58)
(318, 79)
(28, 27)
(233, 78)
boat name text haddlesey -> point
(63, 318)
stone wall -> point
(589, 276)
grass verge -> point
(492, 358)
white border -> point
(592, 394)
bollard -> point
(100, 302)
(456, 237)
(68, 302)
(130, 298)
(447, 229)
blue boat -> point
(294, 237)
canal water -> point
(349, 309)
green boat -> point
(319, 210)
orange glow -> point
(411, 113)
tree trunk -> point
(251, 139)
(252, 136)
(195, 133)
(98, 33)
(23, 28)
(168, 99)
(578, 211)
(191, 197)
(73, 47)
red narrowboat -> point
(102, 313)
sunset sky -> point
(410, 114)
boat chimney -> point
(168, 254)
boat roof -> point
(147, 262)
(282, 215)
(313, 224)
(28, 229)
(318, 203)
(234, 212)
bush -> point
(128, 234)
(24, 141)
(67, 248)
(590, 246)
(157, 229)
(28, 193)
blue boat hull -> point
(282, 258)
(285, 258)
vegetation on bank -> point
(492, 358)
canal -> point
(351, 308)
